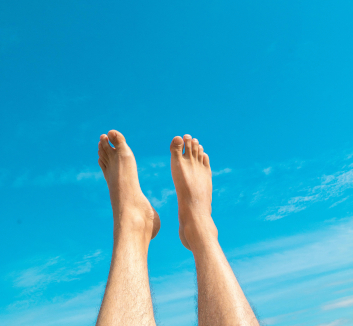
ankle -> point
(127, 236)
(191, 213)
(132, 222)
(201, 235)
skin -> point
(221, 300)
(127, 299)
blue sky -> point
(266, 87)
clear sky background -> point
(266, 87)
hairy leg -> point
(221, 300)
(127, 299)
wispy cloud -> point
(152, 169)
(153, 166)
(57, 177)
(339, 202)
(284, 189)
(283, 211)
(333, 185)
(220, 172)
(53, 270)
(175, 298)
(277, 320)
(96, 175)
(341, 303)
(76, 309)
(159, 202)
(183, 293)
(316, 263)
(337, 322)
(267, 171)
(315, 252)
(158, 164)
(32, 307)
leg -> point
(127, 299)
(221, 301)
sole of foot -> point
(131, 209)
(192, 178)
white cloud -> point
(337, 322)
(319, 251)
(272, 271)
(158, 164)
(303, 270)
(89, 175)
(175, 295)
(57, 177)
(283, 211)
(278, 319)
(175, 298)
(53, 270)
(79, 309)
(339, 202)
(152, 165)
(73, 309)
(341, 303)
(333, 185)
(224, 171)
(292, 269)
(267, 171)
(165, 194)
(260, 267)
(302, 199)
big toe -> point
(116, 138)
(176, 147)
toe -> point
(195, 148)
(102, 164)
(176, 147)
(105, 144)
(187, 141)
(200, 154)
(206, 160)
(102, 157)
(116, 138)
(102, 153)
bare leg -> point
(221, 301)
(127, 299)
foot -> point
(131, 209)
(192, 178)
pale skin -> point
(127, 299)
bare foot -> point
(131, 209)
(192, 178)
